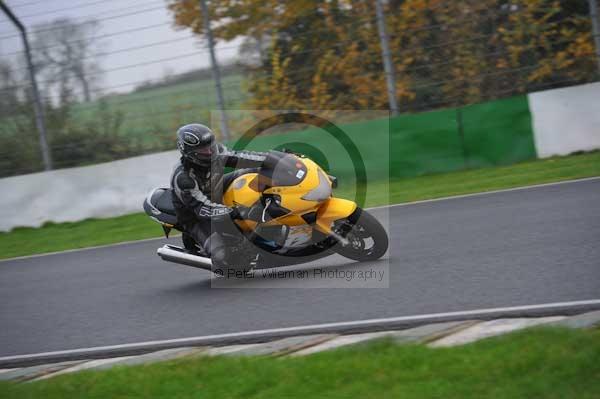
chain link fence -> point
(327, 55)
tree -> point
(66, 55)
(255, 20)
(326, 54)
(550, 41)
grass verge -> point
(63, 236)
(536, 363)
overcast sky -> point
(111, 15)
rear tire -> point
(368, 240)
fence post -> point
(390, 74)
(37, 102)
(215, 69)
(595, 29)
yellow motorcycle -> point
(293, 217)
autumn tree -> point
(548, 42)
(326, 54)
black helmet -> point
(196, 143)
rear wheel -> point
(367, 239)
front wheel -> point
(367, 239)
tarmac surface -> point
(532, 246)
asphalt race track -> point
(532, 246)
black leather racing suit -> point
(197, 197)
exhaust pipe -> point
(171, 253)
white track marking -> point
(302, 329)
(68, 251)
(372, 208)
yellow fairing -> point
(331, 210)
(241, 192)
(291, 196)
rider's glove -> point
(239, 213)
(235, 214)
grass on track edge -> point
(541, 362)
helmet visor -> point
(203, 151)
(202, 154)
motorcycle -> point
(292, 218)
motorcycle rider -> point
(198, 182)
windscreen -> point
(282, 169)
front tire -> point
(367, 239)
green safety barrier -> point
(494, 133)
